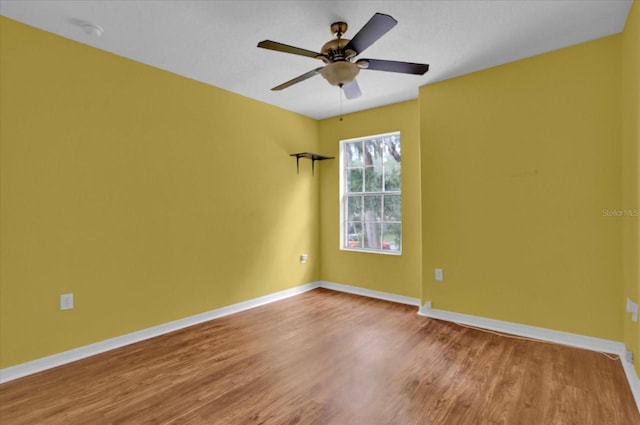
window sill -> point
(373, 251)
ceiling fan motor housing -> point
(334, 51)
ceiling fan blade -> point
(298, 79)
(394, 66)
(279, 47)
(352, 90)
(377, 26)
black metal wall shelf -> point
(312, 156)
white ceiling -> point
(215, 41)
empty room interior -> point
(449, 237)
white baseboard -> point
(565, 338)
(401, 299)
(44, 363)
(59, 359)
(634, 382)
(558, 337)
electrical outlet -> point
(303, 258)
(633, 309)
(628, 356)
(66, 301)
(439, 275)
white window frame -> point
(344, 196)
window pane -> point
(373, 153)
(373, 179)
(391, 149)
(391, 236)
(392, 207)
(354, 180)
(353, 151)
(354, 208)
(373, 208)
(354, 235)
(372, 235)
(392, 177)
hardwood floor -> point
(326, 357)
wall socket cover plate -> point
(66, 301)
(633, 309)
(439, 275)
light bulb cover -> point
(340, 73)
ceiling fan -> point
(341, 67)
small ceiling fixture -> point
(92, 29)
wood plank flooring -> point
(326, 357)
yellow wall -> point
(631, 173)
(149, 197)
(518, 162)
(389, 273)
(145, 194)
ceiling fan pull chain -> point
(340, 93)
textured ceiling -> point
(215, 41)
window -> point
(370, 214)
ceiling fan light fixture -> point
(339, 56)
(340, 73)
